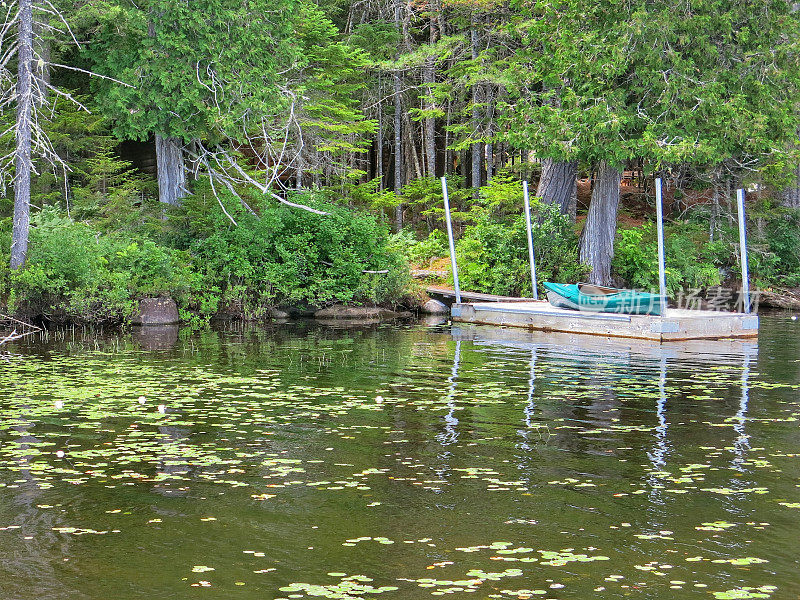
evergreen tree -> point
(708, 83)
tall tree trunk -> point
(790, 196)
(490, 97)
(448, 152)
(171, 170)
(714, 218)
(379, 140)
(573, 203)
(477, 147)
(398, 131)
(22, 153)
(489, 162)
(597, 239)
(300, 170)
(428, 79)
(558, 183)
(413, 156)
(398, 149)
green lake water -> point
(398, 462)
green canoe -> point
(594, 298)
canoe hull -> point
(560, 301)
(628, 302)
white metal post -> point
(531, 258)
(450, 239)
(743, 251)
(662, 275)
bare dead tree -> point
(14, 329)
(22, 152)
(398, 131)
(31, 95)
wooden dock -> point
(675, 325)
(448, 296)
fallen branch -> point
(27, 329)
(24, 324)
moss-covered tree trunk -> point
(597, 239)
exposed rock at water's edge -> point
(156, 311)
(786, 300)
(339, 311)
(434, 307)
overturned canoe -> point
(594, 298)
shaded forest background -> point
(239, 156)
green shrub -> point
(493, 256)
(291, 256)
(774, 250)
(67, 274)
(152, 270)
(423, 251)
(691, 261)
(694, 261)
(75, 273)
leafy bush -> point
(694, 261)
(691, 260)
(502, 196)
(420, 252)
(282, 255)
(290, 256)
(774, 250)
(493, 256)
(75, 273)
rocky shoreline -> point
(164, 311)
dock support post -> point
(531, 258)
(450, 239)
(662, 274)
(743, 251)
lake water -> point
(399, 462)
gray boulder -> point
(157, 311)
(434, 307)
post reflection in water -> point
(741, 444)
(450, 433)
(530, 405)
(658, 455)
